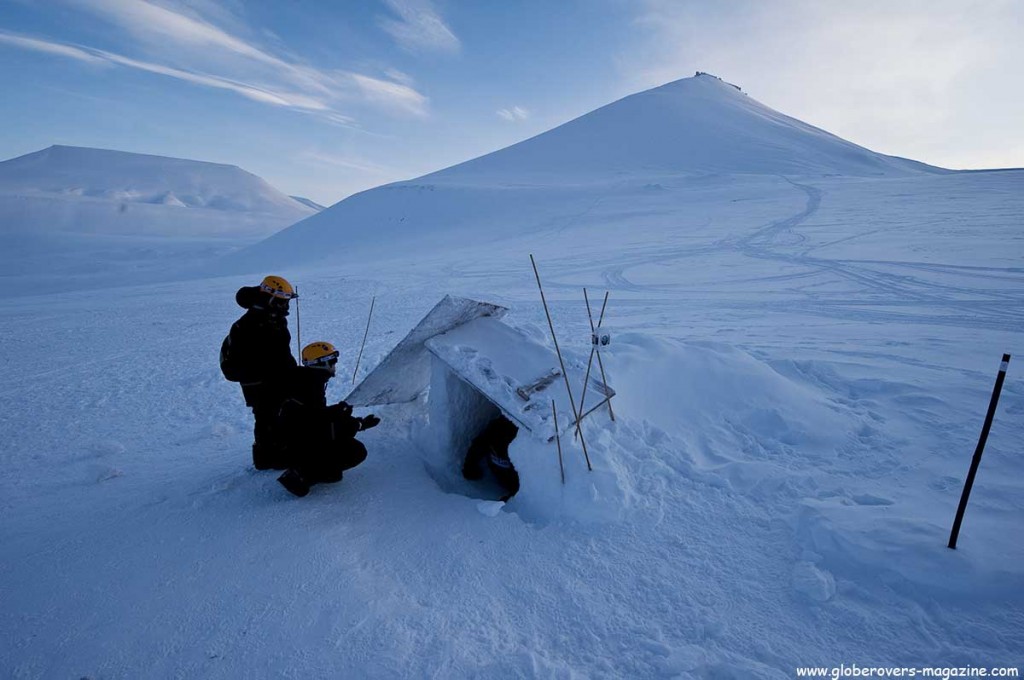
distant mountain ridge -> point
(74, 216)
(102, 174)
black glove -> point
(341, 408)
(368, 422)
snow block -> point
(516, 374)
(404, 373)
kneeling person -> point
(491, 446)
(319, 440)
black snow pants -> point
(327, 465)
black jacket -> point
(307, 424)
(260, 347)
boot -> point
(267, 458)
(294, 482)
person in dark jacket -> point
(257, 353)
(491, 446)
(319, 440)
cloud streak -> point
(28, 43)
(101, 57)
(184, 46)
(418, 27)
(391, 95)
(514, 115)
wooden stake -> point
(568, 388)
(558, 440)
(367, 332)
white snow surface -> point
(73, 216)
(802, 365)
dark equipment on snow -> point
(976, 461)
(538, 385)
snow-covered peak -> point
(700, 124)
(102, 174)
(631, 149)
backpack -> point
(229, 365)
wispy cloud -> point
(392, 95)
(28, 43)
(181, 44)
(343, 161)
(159, 27)
(515, 114)
(95, 56)
(418, 27)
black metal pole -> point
(955, 533)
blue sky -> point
(323, 99)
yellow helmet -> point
(278, 287)
(319, 354)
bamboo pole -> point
(298, 325)
(558, 440)
(568, 387)
(367, 332)
(593, 349)
(597, 349)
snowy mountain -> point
(139, 178)
(95, 212)
(696, 125)
(689, 131)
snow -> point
(73, 217)
(498, 361)
(696, 132)
(404, 373)
(802, 364)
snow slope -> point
(101, 216)
(802, 366)
(695, 129)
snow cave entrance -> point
(467, 368)
(457, 413)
